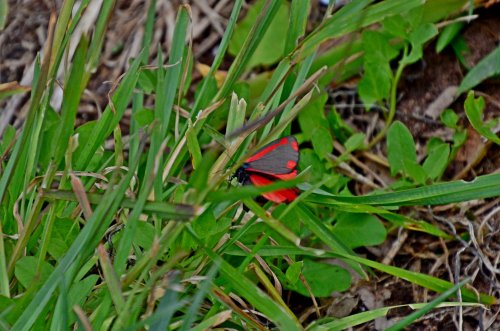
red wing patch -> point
(279, 196)
(289, 176)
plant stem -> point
(393, 100)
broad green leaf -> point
(80, 291)
(437, 160)
(414, 17)
(64, 232)
(418, 38)
(356, 230)
(377, 47)
(272, 43)
(323, 278)
(449, 118)
(144, 235)
(435, 10)
(397, 26)
(416, 172)
(322, 142)
(25, 271)
(459, 138)
(308, 158)
(376, 83)
(312, 115)
(144, 117)
(340, 129)
(204, 224)
(5, 303)
(293, 272)
(355, 142)
(488, 67)
(319, 228)
(474, 109)
(401, 152)
(147, 80)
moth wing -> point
(277, 158)
(279, 196)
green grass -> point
(179, 259)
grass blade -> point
(431, 305)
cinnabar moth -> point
(275, 161)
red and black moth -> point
(275, 161)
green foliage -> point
(434, 303)
(379, 51)
(461, 49)
(437, 159)
(293, 272)
(376, 82)
(272, 44)
(449, 118)
(7, 138)
(323, 279)
(28, 275)
(488, 67)
(150, 234)
(402, 154)
(4, 10)
(474, 109)
(64, 232)
(417, 39)
(357, 230)
(447, 35)
(313, 123)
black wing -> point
(279, 157)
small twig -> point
(349, 171)
(395, 247)
(360, 164)
(467, 19)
